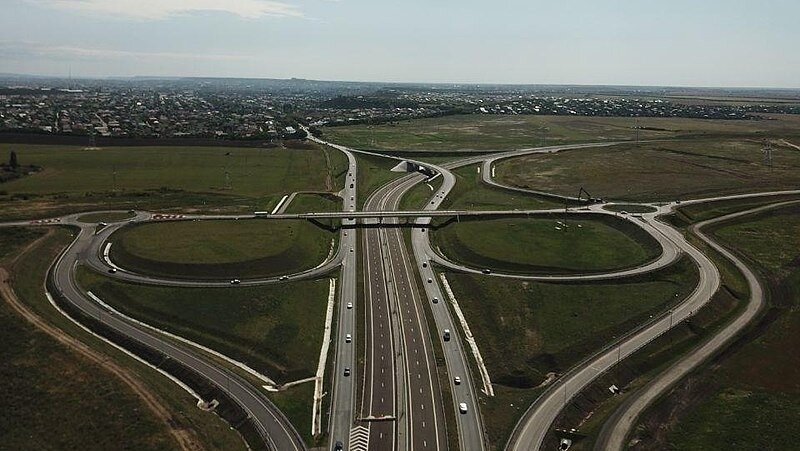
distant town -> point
(271, 110)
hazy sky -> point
(639, 42)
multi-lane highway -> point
(401, 399)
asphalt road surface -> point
(622, 421)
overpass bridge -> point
(355, 215)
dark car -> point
(338, 446)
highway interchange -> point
(393, 398)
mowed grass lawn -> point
(528, 329)
(276, 329)
(755, 403)
(162, 177)
(221, 248)
(657, 171)
(498, 132)
(542, 245)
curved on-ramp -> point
(621, 422)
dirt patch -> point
(186, 439)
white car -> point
(235, 281)
(349, 305)
(457, 380)
(462, 407)
(348, 338)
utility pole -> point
(767, 151)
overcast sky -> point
(635, 42)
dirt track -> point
(186, 439)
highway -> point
(381, 371)
(422, 396)
(401, 405)
(342, 412)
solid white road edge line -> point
(316, 410)
(125, 351)
(278, 207)
(236, 363)
(487, 382)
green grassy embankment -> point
(58, 399)
(221, 248)
(276, 329)
(526, 330)
(417, 196)
(545, 246)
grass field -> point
(276, 329)
(708, 210)
(470, 193)
(106, 216)
(754, 400)
(58, 400)
(221, 248)
(163, 177)
(528, 329)
(657, 171)
(12, 239)
(541, 245)
(497, 132)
